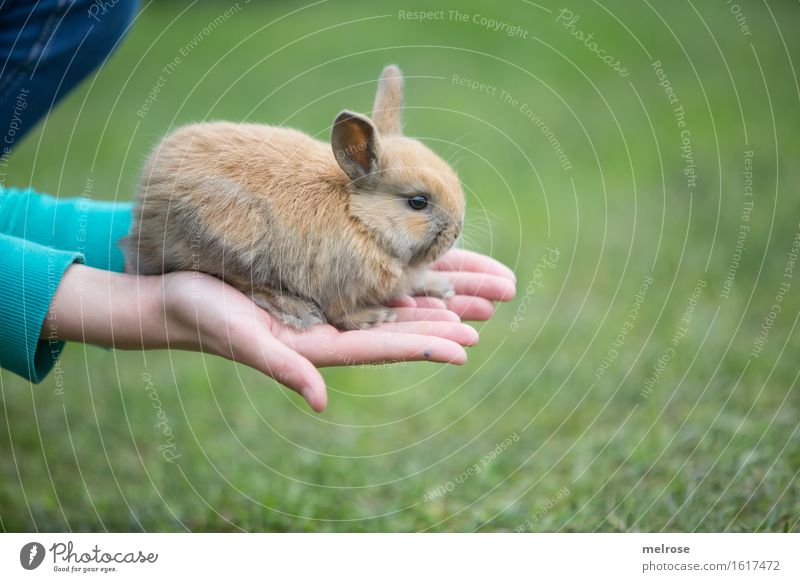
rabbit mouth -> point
(430, 252)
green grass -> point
(714, 446)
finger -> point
(489, 287)
(278, 361)
(463, 260)
(471, 308)
(424, 314)
(429, 302)
(371, 346)
(460, 333)
(403, 301)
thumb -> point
(280, 362)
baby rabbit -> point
(313, 233)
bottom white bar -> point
(354, 557)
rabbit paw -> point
(366, 318)
(433, 284)
(291, 311)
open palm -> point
(219, 319)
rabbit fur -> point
(312, 232)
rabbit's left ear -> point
(355, 146)
(388, 108)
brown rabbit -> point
(312, 235)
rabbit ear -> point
(388, 107)
(355, 145)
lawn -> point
(641, 182)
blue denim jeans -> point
(46, 48)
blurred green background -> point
(556, 388)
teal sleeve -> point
(29, 276)
(89, 227)
(40, 237)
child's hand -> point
(478, 281)
(203, 313)
(198, 312)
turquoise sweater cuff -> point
(31, 274)
(40, 237)
(89, 227)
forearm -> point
(109, 309)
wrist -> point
(147, 297)
(176, 301)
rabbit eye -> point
(418, 202)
